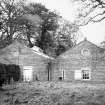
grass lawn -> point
(53, 93)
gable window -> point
(85, 52)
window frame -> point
(85, 52)
(89, 72)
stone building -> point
(34, 65)
(83, 63)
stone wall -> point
(73, 60)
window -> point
(85, 52)
(78, 75)
(85, 74)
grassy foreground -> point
(50, 93)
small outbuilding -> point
(83, 63)
(34, 65)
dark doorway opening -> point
(9, 72)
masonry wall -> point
(18, 54)
(38, 63)
(73, 60)
(97, 72)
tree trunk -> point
(28, 37)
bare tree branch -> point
(91, 11)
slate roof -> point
(9, 55)
(101, 51)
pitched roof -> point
(82, 44)
(6, 54)
(43, 55)
(4, 61)
(9, 54)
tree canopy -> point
(48, 24)
(10, 10)
(34, 24)
(66, 36)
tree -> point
(17, 23)
(30, 26)
(91, 11)
(102, 44)
(49, 25)
(0, 21)
(34, 24)
(53, 38)
(10, 11)
(43, 31)
(66, 36)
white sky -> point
(94, 32)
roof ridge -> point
(85, 40)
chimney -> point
(85, 39)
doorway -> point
(27, 73)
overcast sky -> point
(94, 32)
